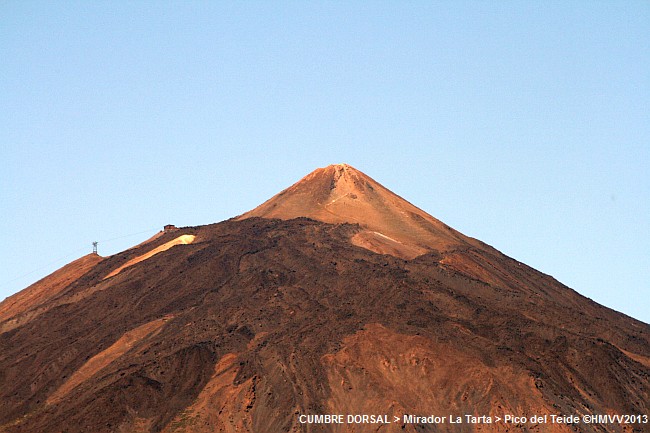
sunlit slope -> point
(342, 194)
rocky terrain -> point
(336, 296)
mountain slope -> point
(43, 290)
(341, 194)
(258, 321)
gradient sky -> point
(524, 124)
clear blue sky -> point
(524, 124)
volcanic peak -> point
(340, 193)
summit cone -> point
(340, 193)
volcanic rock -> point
(336, 296)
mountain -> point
(334, 297)
(341, 194)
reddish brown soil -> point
(341, 194)
(260, 320)
(47, 288)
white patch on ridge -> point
(181, 240)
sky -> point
(523, 124)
